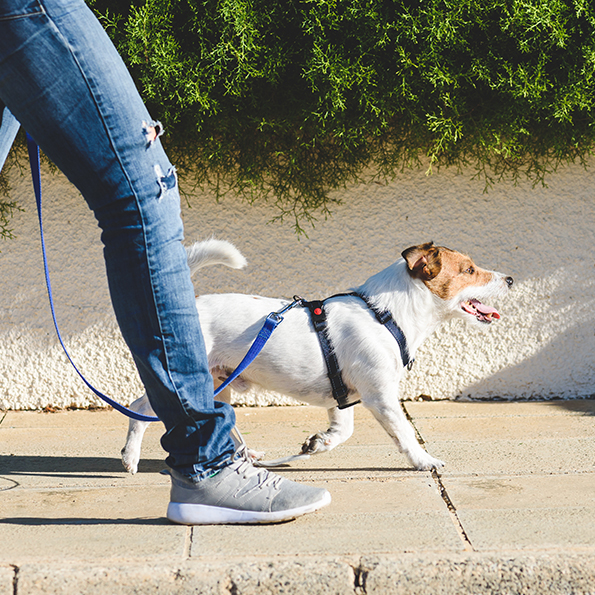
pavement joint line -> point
(188, 539)
(359, 578)
(15, 579)
(467, 545)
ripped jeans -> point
(61, 77)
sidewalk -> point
(513, 511)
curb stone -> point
(408, 574)
(554, 574)
(293, 577)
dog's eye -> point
(470, 271)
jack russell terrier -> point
(426, 287)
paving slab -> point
(72, 448)
(240, 577)
(511, 513)
(365, 516)
(515, 457)
(528, 491)
(7, 575)
(509, 438)
(481, 409)
(70, 524)
(561, 530)
(521, 476)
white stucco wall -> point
(544, 346)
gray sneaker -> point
(241, 493)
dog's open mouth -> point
(482, 312)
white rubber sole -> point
(200, 514)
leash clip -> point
(276, 316)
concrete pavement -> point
(513, 511)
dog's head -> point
(456, 281)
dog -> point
(427, 286)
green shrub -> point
(290, 99)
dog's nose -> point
(509, 281)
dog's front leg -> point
(393, 420)
(340, 429)
(136, 431)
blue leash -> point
(270, 324)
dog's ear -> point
(423, 261)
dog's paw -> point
(319, 442)
(256, 455)
(130, 461)
(429, 464)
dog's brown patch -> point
(445, 272)
(424, 261)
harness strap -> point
(385, 318)
(319, 321)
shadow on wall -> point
(552, 372)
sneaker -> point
(241, 493)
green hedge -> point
(292, 98)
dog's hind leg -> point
(136, 431)
(340, 429)
(224, 395)
(393, 420)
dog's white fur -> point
(426, 287)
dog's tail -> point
(210, 252)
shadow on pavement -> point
(40, 522)
(70, 466)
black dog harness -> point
(319, 321)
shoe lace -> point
(244, 466)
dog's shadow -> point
(339, 470)
(111, 468)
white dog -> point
(426, 287)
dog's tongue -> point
(483, 309)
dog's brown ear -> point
(423, 261)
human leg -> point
(64, 81)
(91, 122)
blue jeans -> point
(9, 126)
(63, 80)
